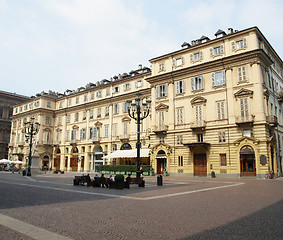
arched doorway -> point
(126, 146)
(45, 163)
(247, 161)
(74, 159)
(57, 159)
(161, 162)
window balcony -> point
(160, 129)
(74, 142)
(124, 137)
(49, 143)
(198, 125)
(57, 143)
(96, 139)
(272, 120)
(241, 120)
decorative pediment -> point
(75, 127)
(46, 130)
(98, 124)
(161, 146)
(126, 119)
(198, 100)
(246, 139)
(244, 93)
(58, 130)
(161, 107)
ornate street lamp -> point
(31, 128)
(138, 110)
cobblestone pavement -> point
(183, 208)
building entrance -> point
(247, 161)
(200, 164)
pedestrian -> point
(103, 181)
(141, 171)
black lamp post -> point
(138, 111)
(31, 128)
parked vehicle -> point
(11, 168)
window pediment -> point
(244, 93)
(98, 124)
(126, 119)
(161, 107)
(198, 100)
(75, 127)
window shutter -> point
(165, 90)
(183, 60)
(157, 91)
(223, 77)
(218, 111)
(177, 87)
(240, 74)
(213, 79)
(201, 82)
(233, 45)
(174, 62)
(192, 57)
(245, 42)
(183, 85)
(136, 84)
(113, 90)
(244, 70)
(222, 49)
(130, 86)
(193, 84)
(124, 87)
(211, 52)
(200, 55)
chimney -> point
(140, 66)
(230, 30)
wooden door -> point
(57, 163)
(248, 165)
(200, 165)
(82, 163)
(160, 165)
(74, 163)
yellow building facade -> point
(216, 107)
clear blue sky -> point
(64, 44)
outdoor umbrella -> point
(17, 162)
(4, 161)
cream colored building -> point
(216, 106)
(79, 127)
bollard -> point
(159, 180)
(213, 174)
(24, 172)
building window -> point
(126, 126)
(217, 51)
(218, 78)
(70, 102)
(98, 112)
(98, 94)
(116, 89)
(90, 133)
(46, 137)
(198, 113)
(91, 113)
(106, 111)
(91, 96)
(83, 134)
(68, 118)
(125, 107)
(48, 104)
(220, 110)
(244, 107)
(162, 139)
(47, 120)
(77, 100)
(242, 74)
(247, 133)
(60, 104)
(196, 56)
(180, 161)
(76, 116)
(200, 137)
(114, 147)
(116, 108)
(106, 130)
(180, 116)
(107, 91)
(84, 115)
(59, 120)
(177, 62)
(85, 98)
(179, 139)
(223, 160)
(127, 86)
(161, 91)
(67, 135)
(58, 137)
(161, 118)
(139, 83)
(236, 45)
(180, 87)
(197, 83)
(161, 67)
(221, 136)
(74, 134)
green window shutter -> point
(201, 82)
(200, 55)
(244, 71)
(193, 84)
(223, 77)
(183, 60)
(157, 91)
(174, 62)
(177, 87)
(245, 42)
(233, 45)
(222, 49)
